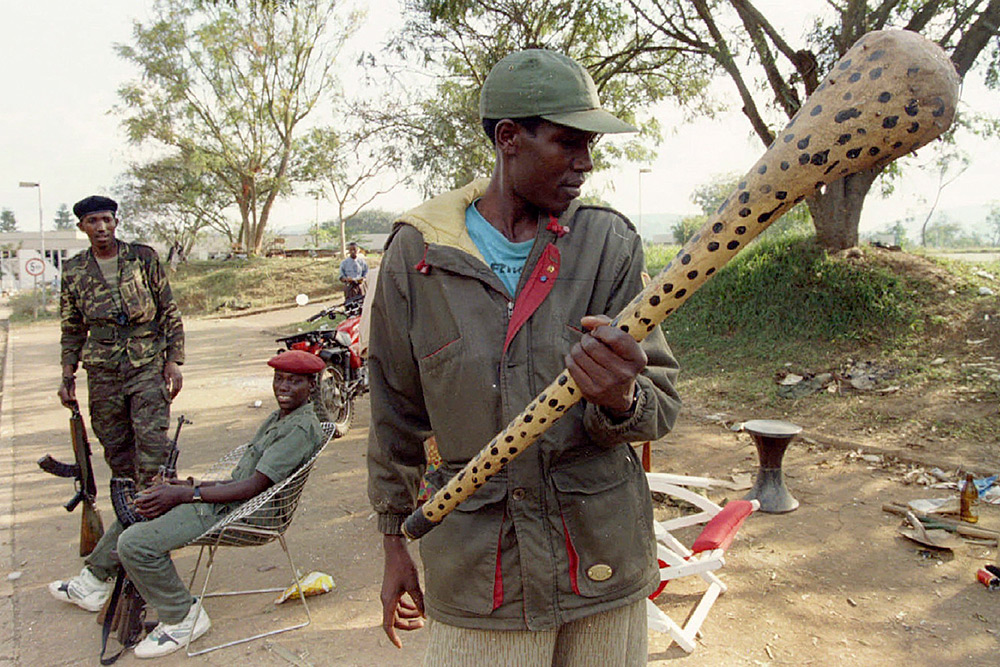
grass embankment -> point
(785, 305)
(220, 286)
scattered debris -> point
(938, 361)
(14, 576)
(986, 291)
(314, 583)
(936, 538)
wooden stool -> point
(772, 437)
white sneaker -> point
(84, 590)
(166, 638)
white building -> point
(21, 265)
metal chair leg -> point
(204, 594)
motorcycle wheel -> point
(329, 401)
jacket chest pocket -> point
(137, 301)
(607, 516)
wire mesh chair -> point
(258, 521)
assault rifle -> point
(123, 488)
(124, 614)
(91, 527)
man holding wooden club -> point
(485, 294)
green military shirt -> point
(281, 445)
(138, 323)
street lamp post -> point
(41, 236)
(642, 170)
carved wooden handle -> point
(891, 93)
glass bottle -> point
(968, 500)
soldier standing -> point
(119, 319)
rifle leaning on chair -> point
(125, 612)
(82, 472)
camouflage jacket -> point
(97, 332)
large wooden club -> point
(893, 92)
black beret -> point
(93, 204)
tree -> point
(949, 163)
(729, 35)
(227, 86)
(172, 200)
(353, 166)
(7, 221)
(64, 219)
(993, 223)
(461, 40)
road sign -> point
(34, 266)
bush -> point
(26, 306)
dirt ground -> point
(830, 583)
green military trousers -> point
(144, 551)
(130, 414)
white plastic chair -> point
(260, 520)
(703, 559)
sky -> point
(61, 76)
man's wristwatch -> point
(196, 498)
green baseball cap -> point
(538, 82)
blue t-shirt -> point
(504, 257)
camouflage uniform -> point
(123, 343)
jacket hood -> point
(441, 220)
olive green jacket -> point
(565, 530)
(97, 332)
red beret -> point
(297, 361)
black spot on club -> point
(874, 150)
(646, 320)
(912, 71)
(848, 96)
(528, 419)
(541, 398)
(914, 126)
(853, 153)
(831, 167)
(816, 110)
(685, 260)
(741, 230)
(784, 166)
(844, 138)
(494, 451)
(875, 73)
(733, 245)
(458, 489)
(846, 115)
(563, 379)
(709, 272)
(512, 450)
(844, 64)
(820, 158)
(691, 276)
(804, 158)
(780, 194)
(503, 459)
(819, 185)
(861, 131)
(713, 246)
(804, 143)
(655, 299)
(744, 197)
(625, 328)
(940, 107)
(765, 189)
(744, 212)
(474, 471)
(897, 144)
(486, 466)
(524, 434)
(884, 97)
(789, 137)
(680, 294)
(560, 408)
(912, 108)
(876, 55)
(854, 78)
(762, 169)
(509, 438)
(717, 227)
(447, 496)
(570, 390)
(889, 122)
(440, 506)
(650, 328)
(799, 199)
(742, 185)
(766, 216)
(668, 288)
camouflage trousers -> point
(130, 415)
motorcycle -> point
(346, 374)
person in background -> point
(353, 272)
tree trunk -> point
(837, 211)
